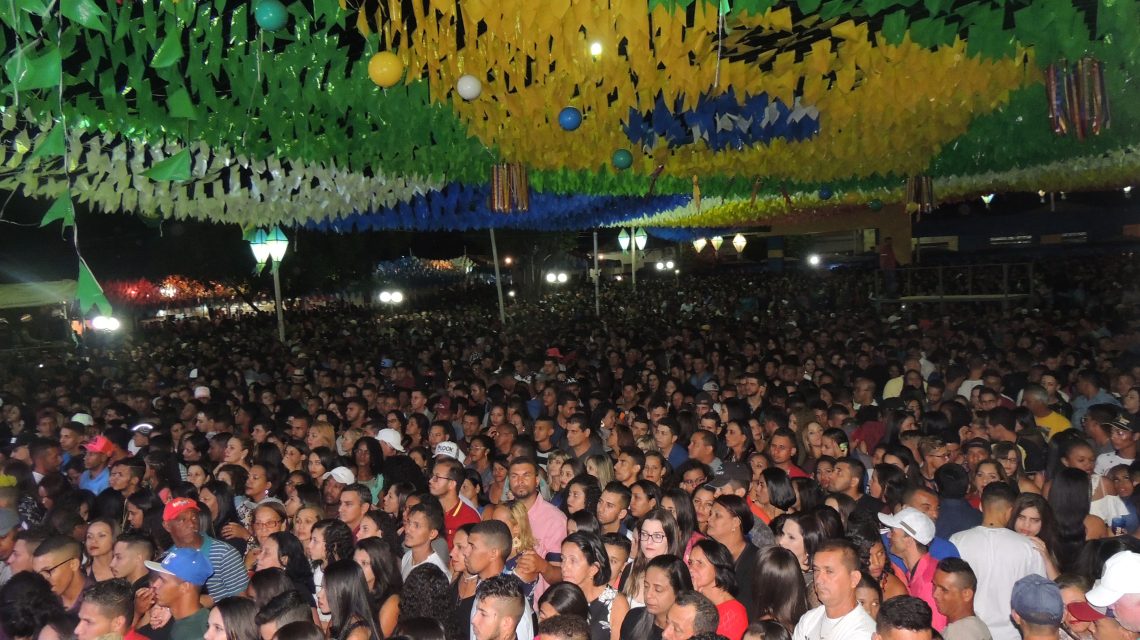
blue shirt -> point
(955, 515)
(1081, 404)
(97, 484)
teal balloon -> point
(623, 159)
(876, 204)
(570, 118)
(270, 14)
(824, 193)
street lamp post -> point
(273, 245)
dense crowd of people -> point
(738, 457)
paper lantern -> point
(570, 118)
(385, 69)
(739, 242)
(699, 244)
(623, 159)
(469, 87)
(716, 241)
(270, 14)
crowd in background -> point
(740, 456)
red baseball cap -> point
(100, 444)
(1084, 612)
(177, 507)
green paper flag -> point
(52, 145)
(85, 12)
(34, 73)
(89, 293)
(180, 105)
(175, 168)
(169, 52)
(37, 7)
(63, 210)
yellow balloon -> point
(385, 69)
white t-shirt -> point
(407, 564)
(1106, 461)
(999, 558)
(815, 625)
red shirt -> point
(733, 619)
(457, 517)
(920, 584)
(796, 472)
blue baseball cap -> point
(1037, 600)
(187, 565)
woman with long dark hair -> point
(345, 599)
(677, 502)
(1069, 497)
(657, 534)
(563, 599)
(382, 576)
(368, 463)
(144, 515)
(582, 494)
(283, 550)
(665, 577)
(219, 499)
(729, 524)
(714, 577)
(232, 619)
(863, 532)
(321, 461)
(778, 588)
(738, 441)
(801, 534)
(585, 563)
(1032, 517)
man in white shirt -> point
(999, 557)
(425, 521)
(839, 617)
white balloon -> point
(469, 87)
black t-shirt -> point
(633, 619)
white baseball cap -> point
(202, 393)
(342, 475)
(1121, 577)
(451, 450)
(913, 522)
(84, 419)
(392, 438)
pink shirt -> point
(920, 584)
(549, 527)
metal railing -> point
(996, 282)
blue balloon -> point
(623, 159)
(570, 118)
(270, 14)
(824, 193)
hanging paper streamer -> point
(920, 194)
(510, 190)
(1078, 102)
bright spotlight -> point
(668, 264)
(677, 272)
(168, 291)
(595, 48)
(397, 297)
(511, 293)
(551, 277)
(507, 261)
(660, 266)
(105, 323)
(385, 297)
(618, 278)
(562, 277)
(814, 260)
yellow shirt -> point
(1054, 422)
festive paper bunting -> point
(63, 210)
(29, 68)
(89, 293)
(84, 12)
(175, 168)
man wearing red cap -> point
(228, 577)
(97, 477)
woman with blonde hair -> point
(321, 434)
(514, 515)
(810, 437)
(601, 467)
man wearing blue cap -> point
(177, 584)
(1037, 608)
